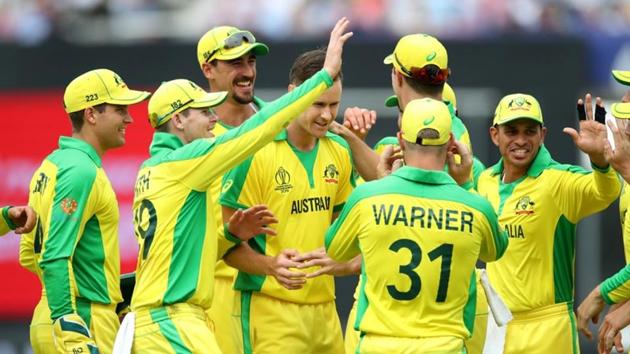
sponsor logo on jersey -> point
(283, 180)
(69, 206)
(331, 174)
(524, 206)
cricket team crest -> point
(283, 180)
(331, 175)
(69, 206)
(519, 103)
(524, 206)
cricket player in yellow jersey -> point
(539, 202)
(419, 235)
(75, 241)
(20, 219)
(227, 57)
(304, 176)
(173, 218)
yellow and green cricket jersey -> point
(6, 224)
(419, 235)
(223, 270)
(303, 190)
(625, 219)
(616, 289)
(173, 220)
(76, 235)
(539, 212)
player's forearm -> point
(365, 159)
(237, 144)
(56, 278)
(245, 259)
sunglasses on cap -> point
(232, 41)
(430, 73)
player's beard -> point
(243, 99)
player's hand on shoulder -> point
(390, 160)
(359, 120)
(338, 37)
(252, 221)
(283, 269)
(459, 167)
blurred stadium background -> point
(555, 49)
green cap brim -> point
(211, 99)
(255, 48)
(622, 77)
(391, 101)
(620, 110)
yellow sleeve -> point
(197, 164)
(6, 224)
(27, 252)
(341, 241)
(580, 194)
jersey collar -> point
(541, 162)
(284, 135)
(66, 142)
(424, 176)
(164, 141)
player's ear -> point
(291, 87)
(494, 134)
(88, 115)
(544, 133)
(401, 142)
(178, 122)
(207, 70)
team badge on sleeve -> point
(69, 206)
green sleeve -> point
(232, 186)
(6, 224)
(616, 289)
(72, 190)
(197, 164)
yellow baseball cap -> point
(623, 77)
(516, 106)
(416, 51)
(620, 110)
(226, 43)
(447, 95)
(99, 86)
(175, 96)
(426, 113)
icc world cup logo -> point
(283, 180)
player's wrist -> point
(231, 234)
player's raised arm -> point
(215, 157)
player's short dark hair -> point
(76, 118)
(307, 65)
(423, 88)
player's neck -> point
(234, 113)
(92, 140)
(300, 138)
(424, 162)
(409, 95)
(512, 173)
